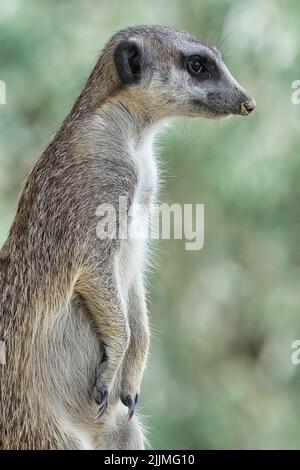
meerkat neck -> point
(123, 128)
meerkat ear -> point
(128, 61)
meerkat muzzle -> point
(247, 107)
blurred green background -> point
(220, 373)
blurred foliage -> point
(223, 319)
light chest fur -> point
(132, 258)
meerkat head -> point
(173, 73)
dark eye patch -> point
(200, 67)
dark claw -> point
(102, 401)
(101, 395)
(102, 409)
(130, 403)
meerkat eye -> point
(196, 67)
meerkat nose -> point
(247, 107)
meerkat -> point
(73, 313)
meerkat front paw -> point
(130, 391)
(101, 397)
(131, 403)
(101, 388)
